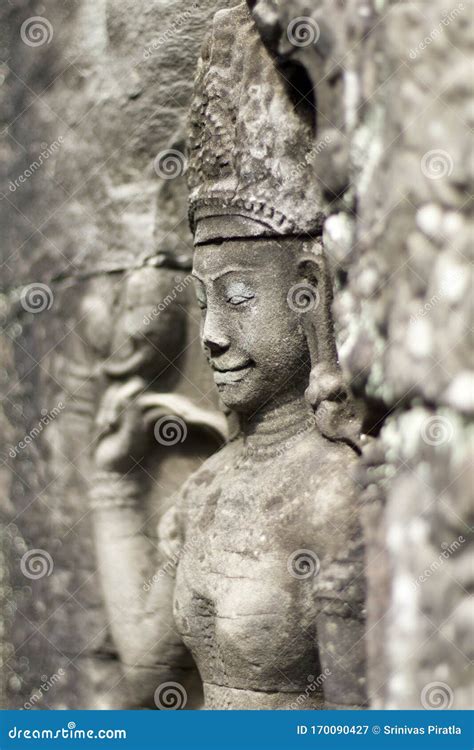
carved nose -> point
(217, 344)
(213, 337)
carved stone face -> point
(253, 339)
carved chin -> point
(234, 391)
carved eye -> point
(201, 298)
(239, 299)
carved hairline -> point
(227, 226)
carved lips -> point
(230, 375)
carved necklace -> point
(276, 434)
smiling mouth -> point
(230, 375)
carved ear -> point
(327, 391)
(315, 283)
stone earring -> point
(328, 393)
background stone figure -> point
(91, 96)
(94, 96)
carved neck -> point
(276, 427)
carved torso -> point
(245, 614)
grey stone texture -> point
(90, 112)
(393, 100)
(86, 110)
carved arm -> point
(138, 600)
(341, 634)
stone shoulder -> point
(326, 479)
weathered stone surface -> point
(266, 585)
(390, 76)
(93, 125)
(89, 104)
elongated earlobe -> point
(317, 319)
(327, 392)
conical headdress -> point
(251, 143)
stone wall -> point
(392, 153)
(94, 98)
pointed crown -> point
(250, 170)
